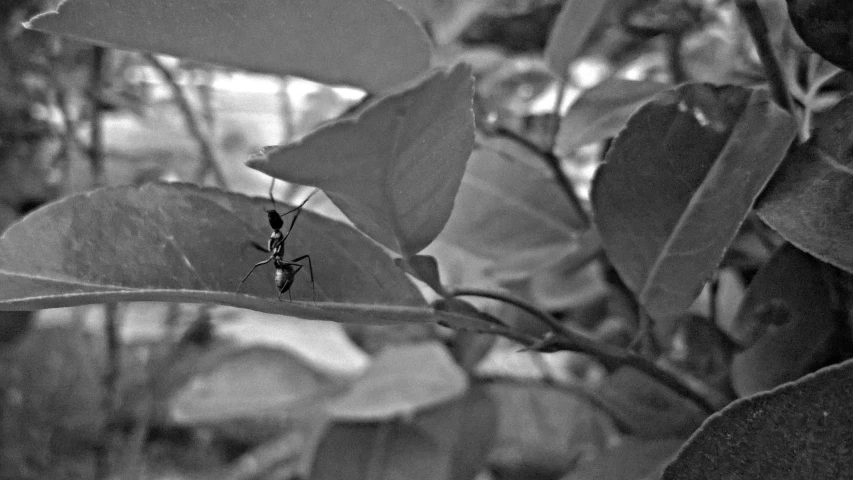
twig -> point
(675, 60)
(611, 357)
(558, 111)
(758, 29)
(111, 393)
(206, 152)
(553, 163)
(96, 143)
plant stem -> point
(96, 142)
(675, 60)
(206, 152)
(611, 357)
(553, 163)
(760, 35)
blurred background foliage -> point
(215, 392)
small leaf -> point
(571, 31)
(424, 268)
(256, 382)
(808, 201)
(603, 110)
(401, 381)
(632, 459)
(678, 183)
(367, 43)
(395, 169)
(543, 431)
(175, 242)
(801, 429)
(795, 282)
(447, 442)
(512, 214)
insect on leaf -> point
(394, 170)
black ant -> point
(285, 271)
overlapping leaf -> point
(791, 301)
(401, 381)
(367, 43)
(395, 169)
(183, 243)
(808, 201)
(602, 111)
(678, 182)
(512, 214)
(799, 430)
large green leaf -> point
(602, 111)
(679, 181)
(179, 242)
(367, 43)
(395, 169)
(808, 201)
(799, 430)
(791, 300)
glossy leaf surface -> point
(178, 242)
(603, 110)
(808, 201)
(799, 430)
(394, 170)
(366, 43)
(679, 181)
(791, 300)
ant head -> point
(275, 220)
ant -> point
(285, 271)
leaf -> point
(808, 200)
(512, 214)
(647, 409)
(367, 43)
(395, 169)
(602, 111)
(679, 181)
(571, 31)
(543, 431)
(796, 283)
(178, 242)
(424, 268)
(798, 430)
(254, 382)
(632, 459)
(401, 381)
(448, 442)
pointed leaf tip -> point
(395, 169)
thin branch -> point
(674, 57)
(96, 142)
(206, 152)
(553, 163)
(558, 111)
(611, 357)
(760, 35)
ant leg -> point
(310, 271)
(252, 270)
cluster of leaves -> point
(682, 203)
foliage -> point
(721, 161)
